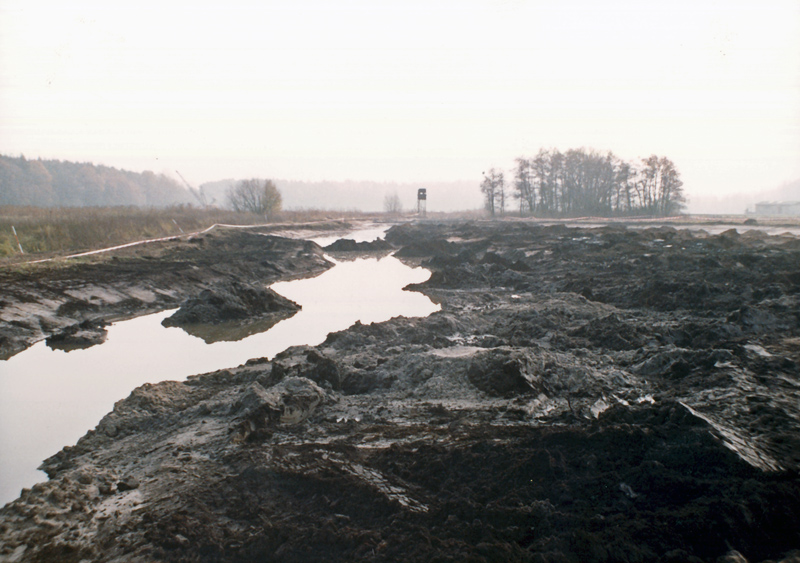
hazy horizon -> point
(404, 91)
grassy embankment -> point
(44, 231)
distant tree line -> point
(362, 195)
(53, 183)
(584, 182)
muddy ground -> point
(608, 394)
(69, 302)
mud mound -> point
(306, 362)
(426, 248)
(612, 333)
(349, 245)
(259, 410)
(79, 336)
(231, 301)
(506, 374)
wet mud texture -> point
(583, 395)
(69, 302)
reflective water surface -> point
(50, 398)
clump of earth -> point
(349, 245)
(604, 394)
(240, 308)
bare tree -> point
(501, 192)
(392, 204)
(488, 189)
(494, 191)
(670, 198)
(256, 196)
(525, 189)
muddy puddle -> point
(50, 398)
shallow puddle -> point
(50, 398)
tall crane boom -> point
(196, 193)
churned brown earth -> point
(607, 394)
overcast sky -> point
(403, 90)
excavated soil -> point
(70, 302)
(609, 394)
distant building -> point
(780, 209)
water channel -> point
(50, 398)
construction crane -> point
(198, 195)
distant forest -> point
(53, 183)
(584, 182)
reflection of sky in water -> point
(50, 398)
